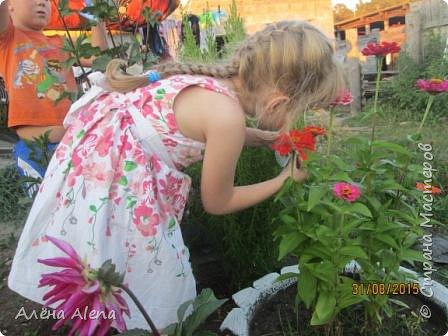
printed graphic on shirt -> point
(41, 68)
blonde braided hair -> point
(283, 69)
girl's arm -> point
(4, 16)
(256, 137)
(225, 135)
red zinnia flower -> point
(423, 187)
(298, 140)
(433, 86)
(314, 130)
(345, 98)
(380, 49)
(282, 144)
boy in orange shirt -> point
(32, 66)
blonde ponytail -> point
(121, 81)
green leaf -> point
(353, 251)
(391, 146)
(387, 240)
(323, 270)
(348, 299)
(203, 306)
(182, 310)
(100, 63)
(316, 194)
(129, 166)
(325, 307)
(286, 276)
(289, 220)
(307, 287)
(390, 185)
(412, 255)
(93, 208)
(340, 176)
(360, 208)
(289, 242)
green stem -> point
(428, 107)
(142, 310)
(72, 44)
(379, 63)
(330, 132)
(293, 163)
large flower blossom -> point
(298, 141)
(92, 305)
(433, 86)
(346, 191)
(380, 49)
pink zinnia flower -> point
(433, 86)
(380, 49)
(346, 191)
(80, 290)
(345, 98)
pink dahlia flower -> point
(346, 191)
(92, 305)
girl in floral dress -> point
(115, 187)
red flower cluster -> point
(433, 189)
(380, 49)
(298, 140)
(433, 86)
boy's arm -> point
(98, 39)
(4, 15)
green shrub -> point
(403, 94)
(12, 196)
(244, 240)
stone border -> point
(238, 320)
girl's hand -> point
(256, 137)
(298, 174)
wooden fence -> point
(425, 17)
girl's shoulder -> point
(180, 82)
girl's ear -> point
(275, 112)
(275, 100)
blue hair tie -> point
(153, 76)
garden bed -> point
(276, 316)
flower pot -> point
(239, 319)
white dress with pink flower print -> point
(111, 198)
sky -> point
(349, 3)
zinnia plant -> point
(348, 211)
(344, 99)
(434, 87)
(380, 50)
(80, 288)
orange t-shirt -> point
(31, 65)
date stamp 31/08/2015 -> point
(378, 288)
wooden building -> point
(387, 24)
